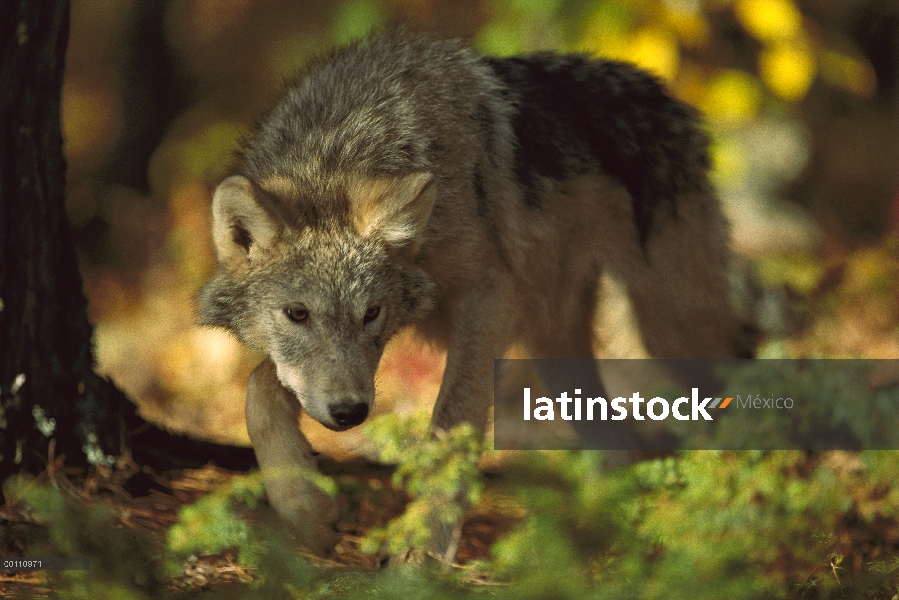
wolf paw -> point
(441, 549)
(318, 532)
(310, 514)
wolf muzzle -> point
(347, 413)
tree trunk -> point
(48, 389)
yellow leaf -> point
(788, 69)
(655, 50)
(729, 161)
(800, 272)
(732, 97)
(769, 20)
(605, 32)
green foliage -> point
(802, 273)
(123, 563)
(355, 18)
(197, 157)
(518, 27)
(211, 524)
(216, 522)
(438, 469)
(701, 525)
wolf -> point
(406, 181)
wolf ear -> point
(396, 210)
(239, 221)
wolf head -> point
(320, 285)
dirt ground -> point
(373, 503)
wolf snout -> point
(348, 413)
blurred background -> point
(801, 99)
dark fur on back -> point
(570, 107)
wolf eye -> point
(371, 314)
(297, 314)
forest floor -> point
(373, 502)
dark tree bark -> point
(46, 357)
(153, 95)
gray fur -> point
(482, 200)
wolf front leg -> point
(479, 332)
(287, 461)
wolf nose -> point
(348, 414)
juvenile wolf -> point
(404, 181)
